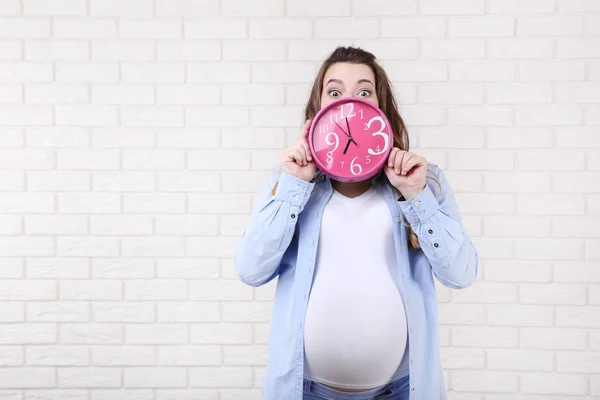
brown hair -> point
(385, 96)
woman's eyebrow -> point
(335, 81)
(365, 80)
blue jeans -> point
(397, 390)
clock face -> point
(350, 140)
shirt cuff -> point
(421, 208)
(293, 190)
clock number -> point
(355, 167)
(378, 133)
(350, 114)
(362, 114)
(342, 164)
(323, 128)
(335, 143)
(368, 160)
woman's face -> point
(349, 80)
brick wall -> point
(135, 134)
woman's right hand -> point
(297, 160)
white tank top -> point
(355, 327)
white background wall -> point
(134, 135)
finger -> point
(392, 157)
(304, 131)
(304, 144)
(398, 163)
(303, 151)
(413, 161)
(296, 155)
(403, 167)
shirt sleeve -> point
(436, 221)
(271, 228)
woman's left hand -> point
(407, 172)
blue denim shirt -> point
(281, 242)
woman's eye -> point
(334, 93)
(364, 93)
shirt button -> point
(297, 197)
(430, 231)
(417, 204)
(293, 215)
(436, 245)
(397, 219)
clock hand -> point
(348, 144)
(350, 134)
(341, 129)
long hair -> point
(385, 96)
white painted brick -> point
(461, 7)
(154, 203)
(56, 50)
(265, 159)
(219, 160)
(521, 48)
(24, 28)
(581, 47)
(452, 48)
(33, 333)
(188, 312)
(152, 116)
(552, 383)
(582, 362)
(156, 334)
(156, 29)
(472, 203)
(518, 93)
(187, 8)
(11, 137)
(577, 6)
(245, 355)
(315, 8)
(54, 8)
(461, 314)
(550, 160)
(10, 50)
(257, 8)
(123, 94)
(263, 138)
(57, 181)
(494, 248)
(11, 93)
(86, 115)
(297, 94)
(12, 181)
(12, 312)
(553, 339)
(256, 50)
(199, 225)
(222, 290)
(520, 360)
(555, 204)
(578, 317)
(583, 227)
(123, 355)
(576, 272)
(89, 203)
(152, 246)
(115, 8)
(211, 247)
(413, 27)
(594, 295)
(592, 250)
(11, 7)
(543, 249)
(275, 116)
(487, 292)
(296, 72)
(487, 160)
(481, 71)
(84, 28)
(57, 355)
(519, 315)
(121, 225)
(56, 93)
(217, 29)
(29, 115)
(187, 394)
(91, 333)
(550, 26)
(26, 203)
(87, 247)
(12, 268)
(152, 72)
(519, 137)
(220, 377)
(519, 182)
(451, 93)
(247, 94)
(11, 225)
(592, 24)
(57, 268)
(520, 7)
(591, 115)
(154, 377)
(485, 336)
(346, 28)
(156, 290)
(280, 29)
(577, 137)
(123, 312)
(70, 311)
(90, 290)
(95, 159)
(122, 138)
(153, 159)
(505, 226)
(27, 378)
(316, 50)
(461, 358)
(188, 268)
(11, 356)
(484, 381)
(189, 51)
(189, 355)
(551, 70)
(555, 294)
(87, 73)
(480, 116)
(188, 138)
(188, 94)
(226, 72)
(221, 333)
(122, 50)
(23, 246)
(188, 182)
(74, 377)
(478, 26)
(578, 93)
(56, 225)
(124, 181)
(233, 226)
(379, 8)
(222, 116)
